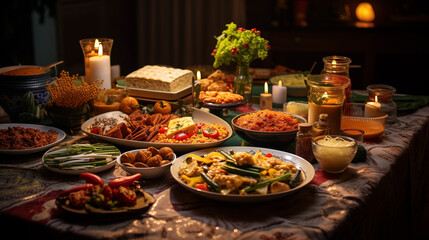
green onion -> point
(81, 155)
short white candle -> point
(279, 93)
(266, 99)
(100, 68)
(372, 108)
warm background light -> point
(365, 12)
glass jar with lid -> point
(384, 95)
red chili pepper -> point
(78, 188)
(163, 130)
(210, 132)
(201, 186)
(91, 178)
(124, 181)
(268, 155)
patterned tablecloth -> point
(382, 197)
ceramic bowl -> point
(260, 138)
(148, 172)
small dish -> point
(146, 172)
(261, 138)
(354, 117)
(334, 152)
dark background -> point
(394, 52)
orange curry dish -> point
(268, 121)
(25, 138)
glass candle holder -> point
(96, 53)
(339, 65)
(384, 94)
(326, 95)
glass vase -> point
(243, 82)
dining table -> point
(384, 196)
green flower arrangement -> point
(239, 45)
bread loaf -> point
(159, 78)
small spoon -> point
(47, 67)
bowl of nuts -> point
(149, 162)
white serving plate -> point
(42, 128)
(155, 94)
(197, 115)
(78, 171)
(306, 168)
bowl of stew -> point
(267, 128)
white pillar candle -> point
(279, 93)
(100, 68)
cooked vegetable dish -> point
(239, 173)
(120, 193)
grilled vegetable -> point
(295, 179)
(252, 188)
(191, 181)
(240, 171)
(212, 184)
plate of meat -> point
(21, 139)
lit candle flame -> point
(376, 98)
(96, 44)
(266, 87)
(198, 75)
(280, 83)
(334, 62)
(325, 95)
(100, 50)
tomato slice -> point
(268, 155)
(182, 136)
(210, 132)
(163, 130)
(94, 130)
(200, 125)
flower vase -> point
(243, 82)
(69, 120)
